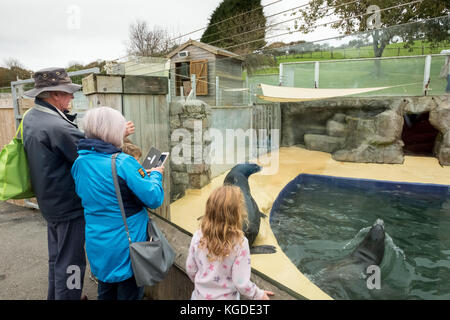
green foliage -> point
(231, 25)
(7, 75)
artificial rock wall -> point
(189, 121)
(363, 129)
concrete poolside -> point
(265, 188)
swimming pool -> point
(319, 220)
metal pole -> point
(426, 74)
(217, 91)
(280, 78)
(17, 116)
(316, 74)
(169, 93)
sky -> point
(47, 33)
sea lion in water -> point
(238, 176)
(369, 252)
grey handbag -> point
(150, 260)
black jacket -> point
(50, 141)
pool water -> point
(319, 220)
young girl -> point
(219, 256)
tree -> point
(14, 70)
(239, 25)
(149, 43)
(358, 16)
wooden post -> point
(103, 90)
(145, 103)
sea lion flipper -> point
(263, 249)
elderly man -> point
(50, 139)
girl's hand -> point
(129, 128)
(267, 294)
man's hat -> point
(51, 79)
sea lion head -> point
(371, 249)
(247, 168)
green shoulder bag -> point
(15, 180)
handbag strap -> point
(119, 196)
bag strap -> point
(20, 128)
(119, 196)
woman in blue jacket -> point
(107, 246)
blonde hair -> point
(222, 223)
(106, 124)
(131, 149)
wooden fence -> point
(7, 127)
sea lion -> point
(238, 176)
(371, 250)
(354, 266)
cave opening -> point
(418, 135)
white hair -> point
(105, 123)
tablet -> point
(152, 158)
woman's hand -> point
(159, 169)
(129, 128)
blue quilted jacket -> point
(107, 246)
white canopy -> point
(289, 94)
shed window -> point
(182, 76)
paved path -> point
(24, 255)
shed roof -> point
(207, 47)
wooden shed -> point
(211, 66)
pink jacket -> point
(221, 280)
